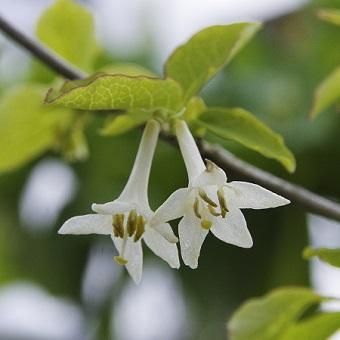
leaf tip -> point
(307, 253)
(291, 165)
(49, 97)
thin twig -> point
(297, 194)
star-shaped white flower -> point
(211, 203)
(128, 218)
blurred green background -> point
(273, 77)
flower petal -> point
(111, 208)
(212, 175)
(233, 229)
(191, 238)
(172, 208)
(133, 253)
(253, 196)
(136, 189)
(88, 224)
(166, 232)
(161, 247)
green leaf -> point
(331, 15)
(199, 59)
(318, 327)
(327, 93)
(124, 123)
(118, 92)
(331, 256)
(68, 29)
(27, 126)
(266, 318)
(243, 127)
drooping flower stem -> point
(191, 155)
(137, 185)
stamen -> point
(206, 224)
(140, 228)
(224, 212)
(118, 225)
(221, 200)
(131, 222)
(213, 211)
(120, 260)
(196, 208)
(206, 198)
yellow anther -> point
(206, 198)
(221, 200)
(140, 228)
(120, 260)
(118, 225)
(131, 222)
(213, 211)
(206, 224)
(197, 208)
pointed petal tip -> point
(248, 244)
(137, 281)
(285, 201)
(177, 266)
(65, 228)
(61, 231)
(192, 265)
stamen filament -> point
(140, 228)
(221, 200)
(213, 211)
(206, 198)
(131, 222)
(118, 225)
(196, 208)
(120, 259)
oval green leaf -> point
(119, 92)
(243, 127)
(326, 94)
(199, 59)
(68, 29)
(331, 256)
(268, 317)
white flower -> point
(211, 203)
(127, 219)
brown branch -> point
(297, 194)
